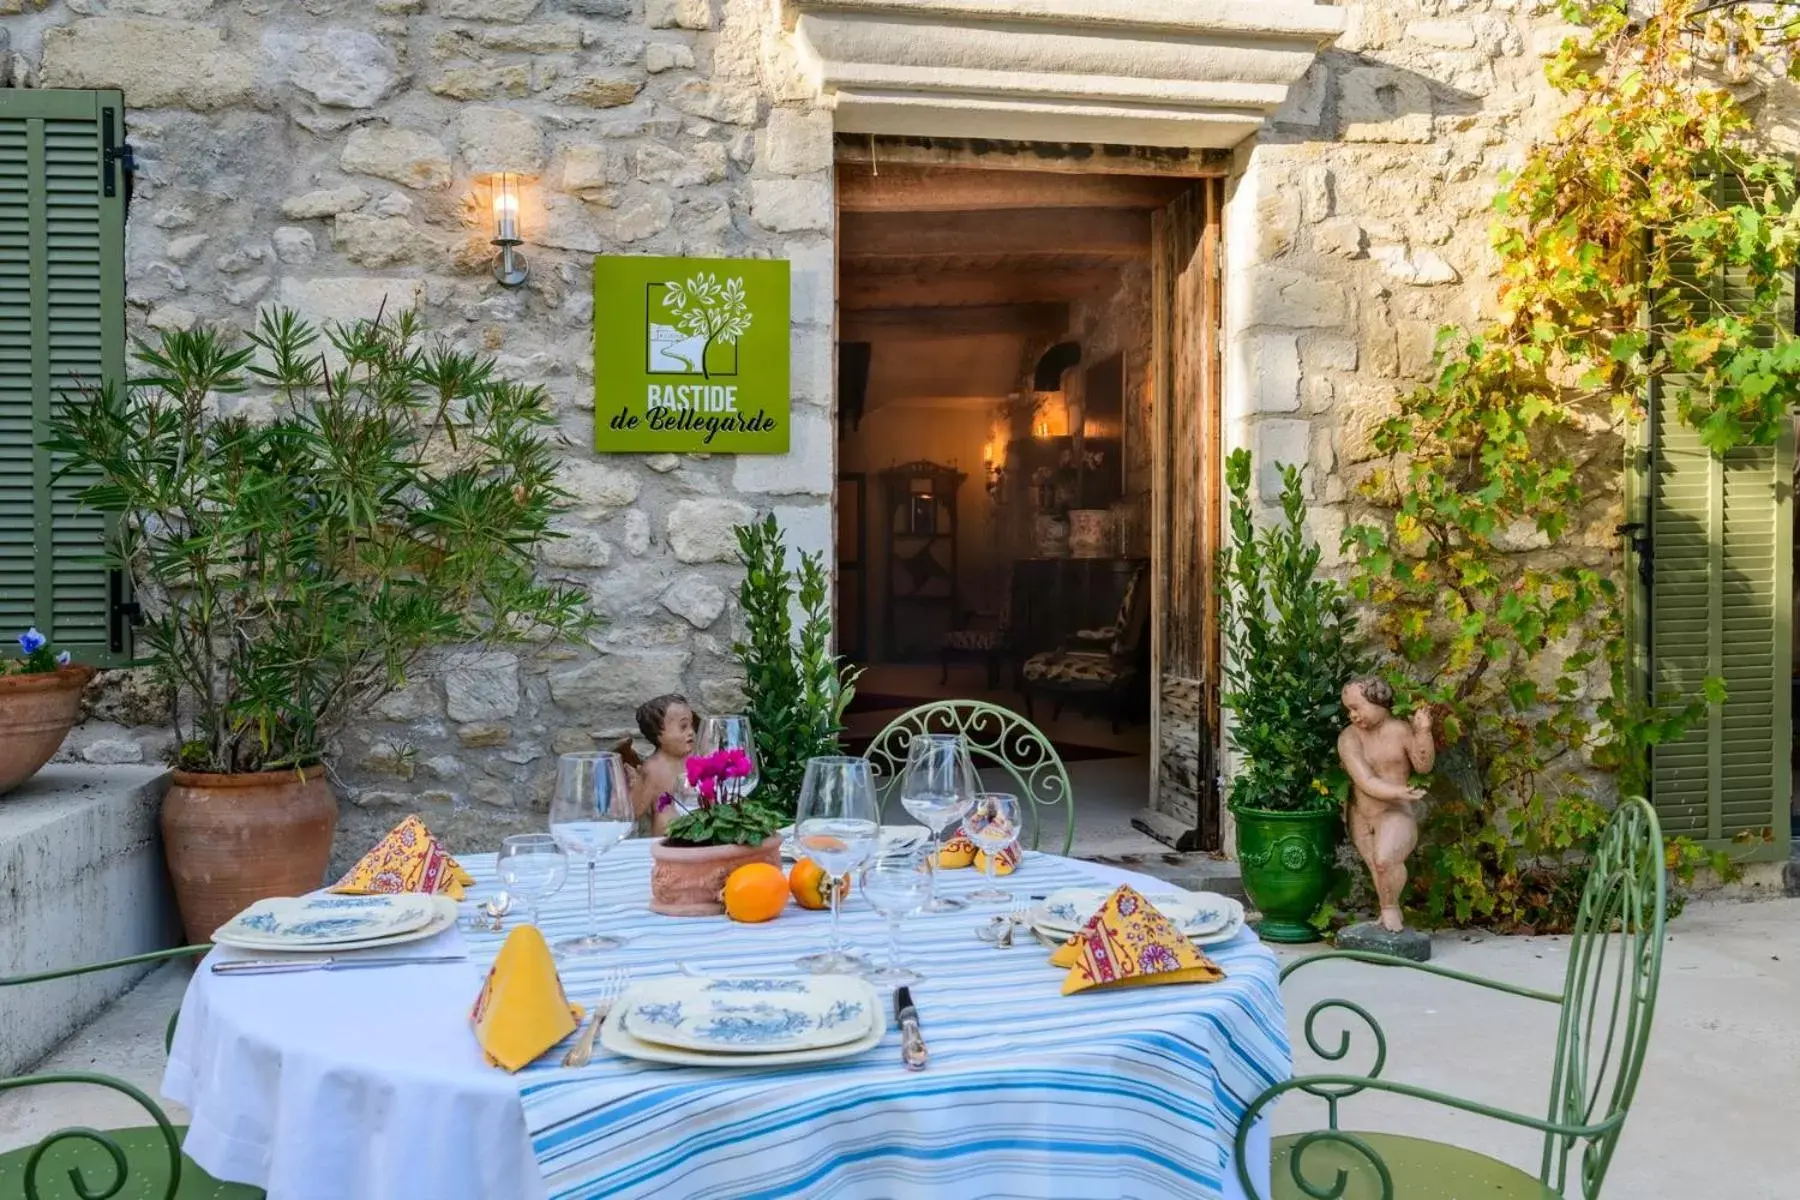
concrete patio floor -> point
(1710, 1121)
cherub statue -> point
(668, 723)
(1380, 753)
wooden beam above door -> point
(869, 325)
(865, 189)
(1093, 233)
(1077, 158)
(966, 287)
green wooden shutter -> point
(62, 328)
(1720, 606)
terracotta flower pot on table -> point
(232, 840)
(36, 714)
(685, 881)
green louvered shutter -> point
(1720, 604)
(62, 327)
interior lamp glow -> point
(509, 265)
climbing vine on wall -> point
(1514, 444)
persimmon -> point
(755, 892)
(812, 887)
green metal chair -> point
(141, 1163)
(996, 737)
(1607, 1001)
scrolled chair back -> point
(996, 738)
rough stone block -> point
(700, 531)
(1414, 265)
(486, 10)
(1451, 35)
(343, 68)
(679, 14)
(695, 601)
(808, 529)
(156, 63)
(406, 156)
(484, 735)
(349, 298)
(499, 139)
(1296, 300)
(294, 245)
(1383, 104)
(1409, 944)
(1340, 236)
(791, 205)
(1275, 372)
(805, 470)
(577, 548)
(687, 166)
(589, 168)
(596, 486)
(728, 105)
(619, 681)
(544, 37)
(1281, 442)
(482, 83)
(638, 215)
(610, 89)
(668, 56)
(481, 687)
(325, 202)
(379, 241)
(795, 142)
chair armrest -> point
(1388, 960)
(152, 956)
(78, 1175)
(1337, 1087)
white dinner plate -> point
(1194, 913)
(1199, 939)
(616, 1037)
(443, 916)
(749, 1015)
(893, 837)
(304, 921)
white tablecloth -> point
(368, 1085)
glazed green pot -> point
(1287, 859)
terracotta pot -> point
(685, 881)
(232, 840)
(36, 712)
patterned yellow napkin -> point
(522, 1010)
(408, 859)
(1130, 944)
(961, 851)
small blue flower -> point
(62, 660)
(32, 641)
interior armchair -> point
(1104, 663)
(1607, 1001)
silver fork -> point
(1018, 918)
(611, 986)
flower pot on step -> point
(1287, 859)
(232, 840)
(685, 881)
(36, 713)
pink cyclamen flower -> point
(737, 763)
(709, 792)
(664, 801)
(696, 769)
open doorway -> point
(1006, 357)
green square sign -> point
(691, 354)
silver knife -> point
(912, 1042)
(260, 966)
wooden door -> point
(1185, 517)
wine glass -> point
(532, 866)
(897, 884)
(730, 732)
(937, 789)
(836, 827)
(993, 824)
(590, 813)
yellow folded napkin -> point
(961, 851)
(522, 1010)
(1128, 943)
(408, 859)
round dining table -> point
(369, 1084)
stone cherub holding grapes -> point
(1381, 753)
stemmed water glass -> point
(532, 866)
(897, 883)
(837, 827)
(993, 824)
(730, 732)
(590, 813)
(937, 789)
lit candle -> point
(506, 209)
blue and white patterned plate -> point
(1195, 913)
(770, 1015)
(301, 922)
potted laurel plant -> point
(1290, 642)
(40, 698)
(723, 829)
(294, 570)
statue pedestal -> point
(1367, 935)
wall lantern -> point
(509, 265)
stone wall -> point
(324, 154)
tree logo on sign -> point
(698, 315)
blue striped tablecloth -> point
(1029, 1093)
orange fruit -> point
(812, 886)
(755, 892)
